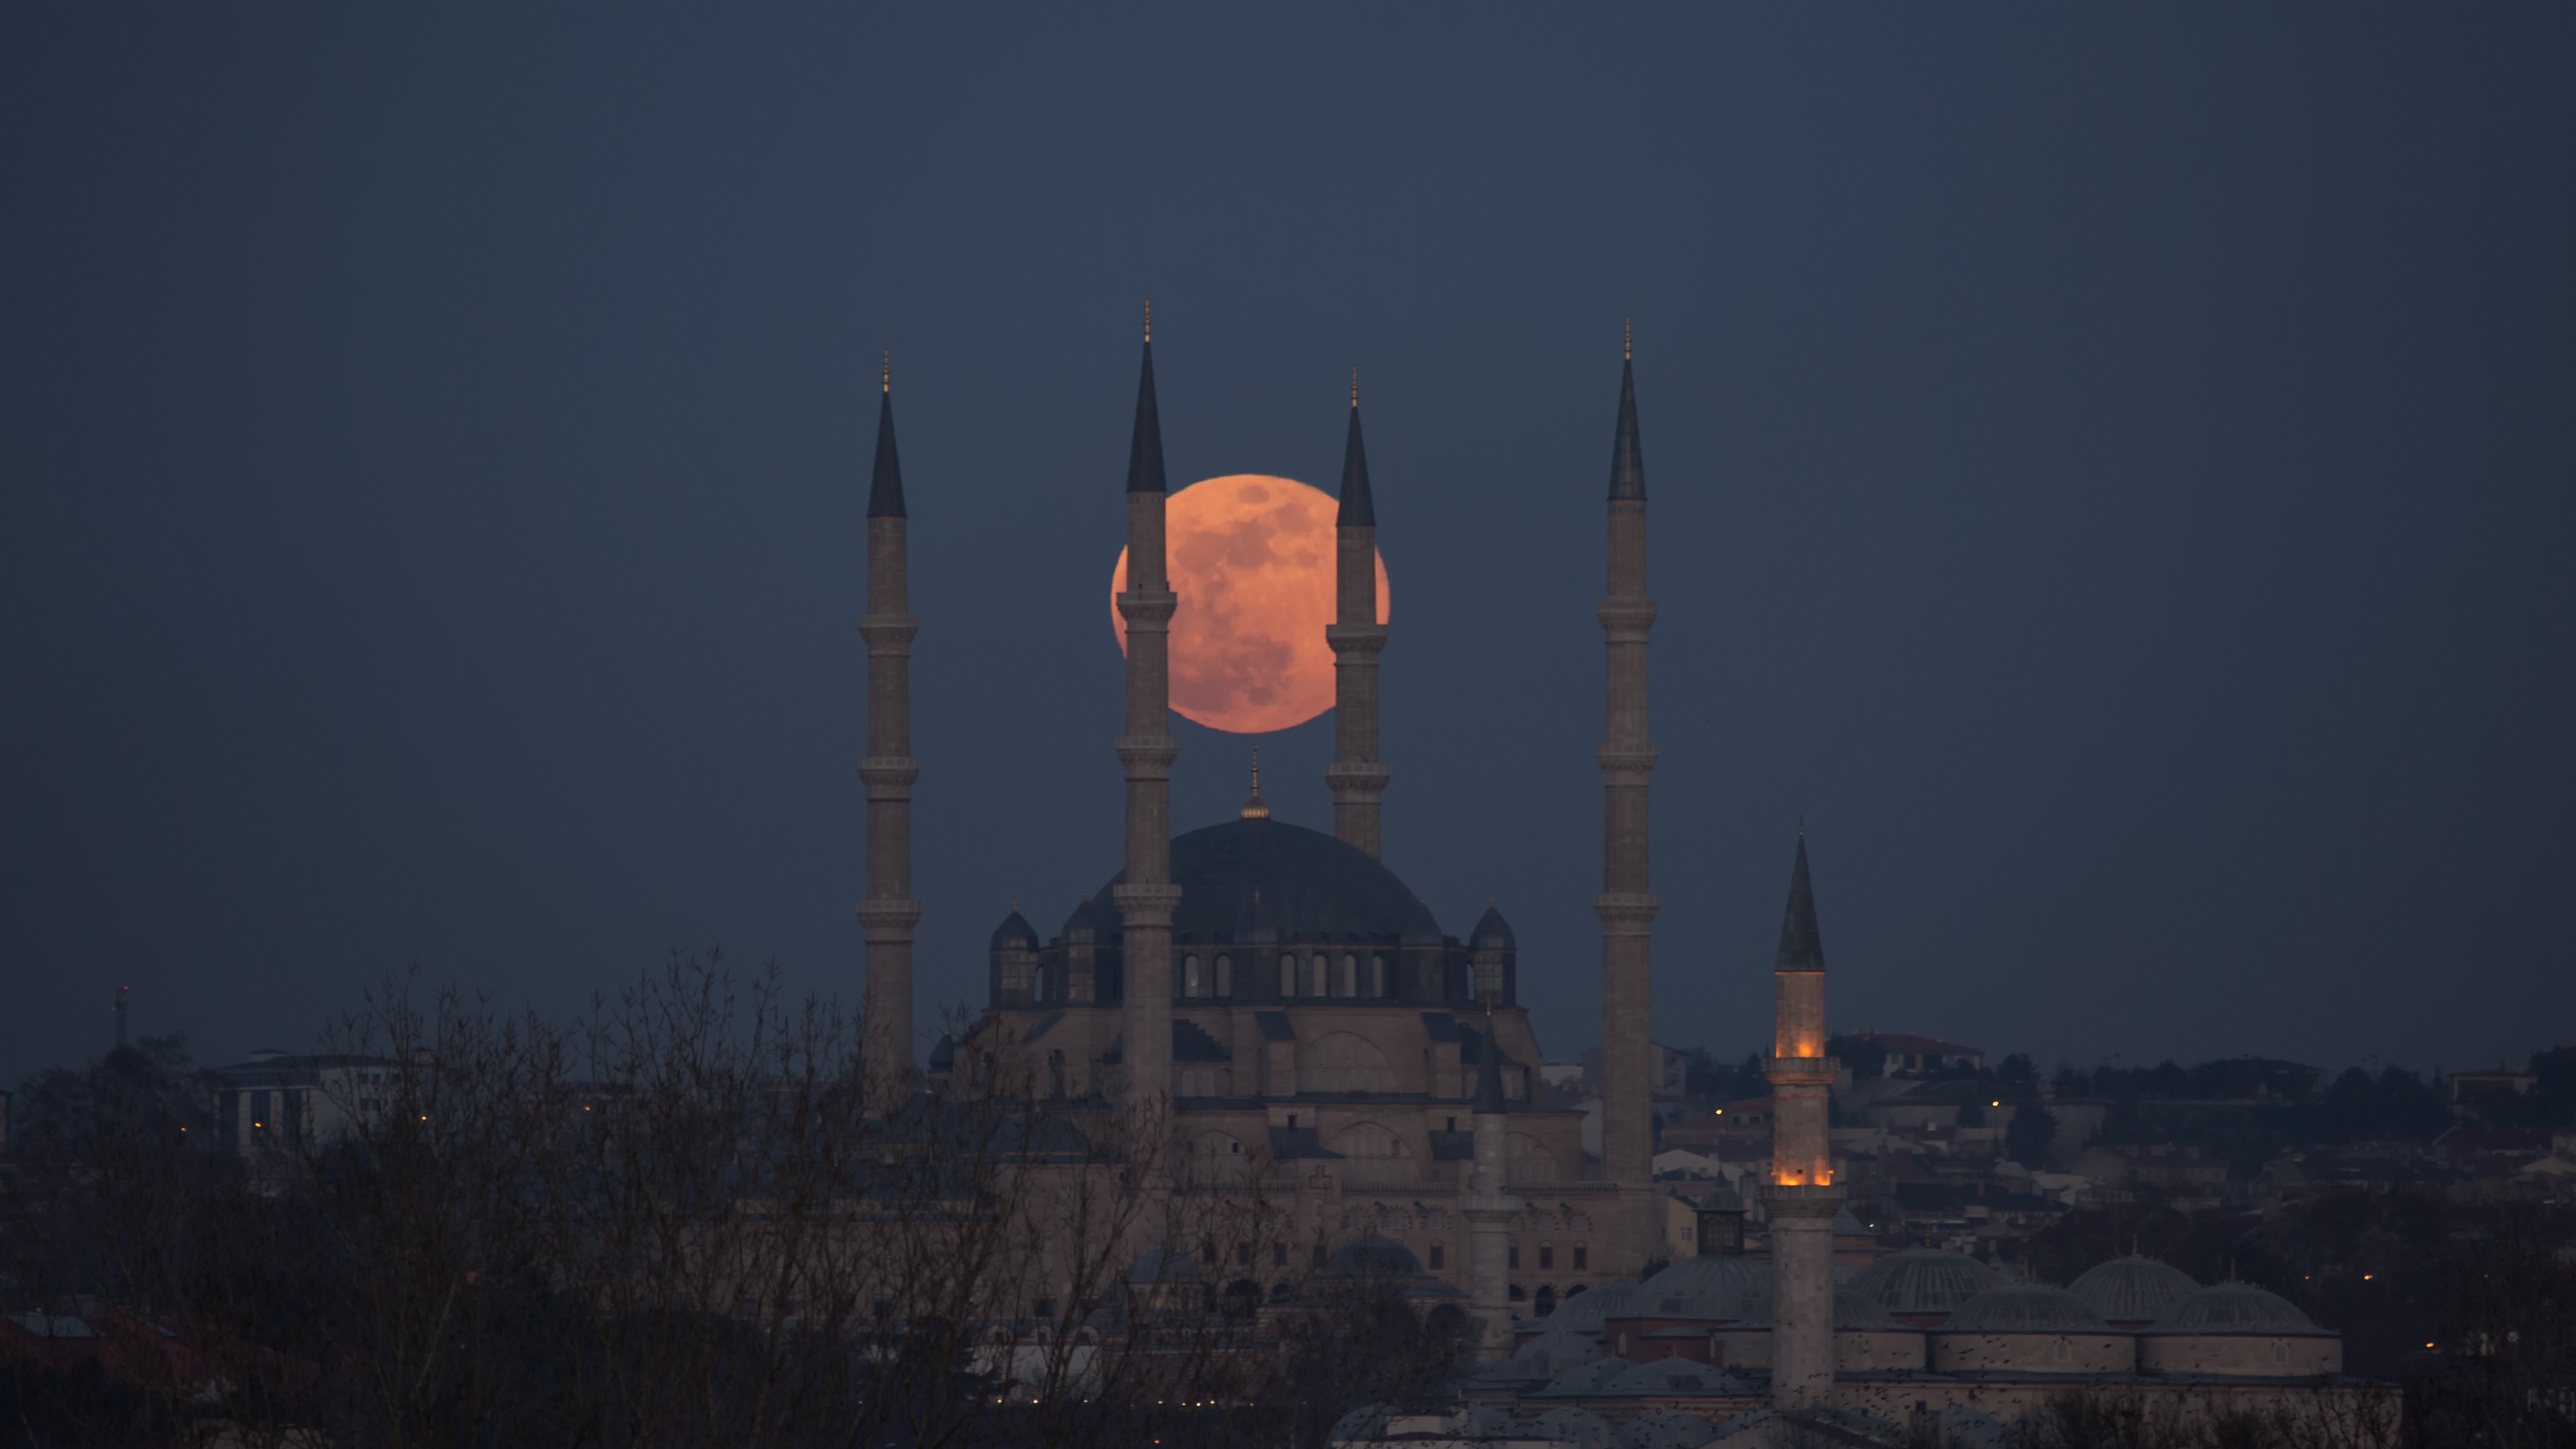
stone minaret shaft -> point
(889, 913)
(1357, 777)
(1489, 1210)
(1147, 897)
(1626, 904)
(1802, 1194)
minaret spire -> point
(889, 914)
(1802, 1194)
(1627, 904)
(1356, 776)
(1147, 897)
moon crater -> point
(1251, 557)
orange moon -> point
(1252, 559)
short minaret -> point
(1489, 1209)
(1357, 777)
(889, 913)
(1627, 904)
(1801, 1196)
(1147, 897)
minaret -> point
(1147, 896)
(1802, 1195)
(889, 913)
(1626, 904)
(1489, 1209)
(1357, 779)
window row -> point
(1311, 975)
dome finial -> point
(1253, 809)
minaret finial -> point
(1355, 384)
(1253, 809)
(1149, 319)
(885, 378)
(1627, 340)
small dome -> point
(1015, 934)
(1664, 1429)
(1712, 1285)
(1492, 933)
(1673, 1376)
(1163, 1265)
(2024, 1308)
(1586, 1312)
(2237, 1308)
(1857, 1312)
(1577, 1428)
(1588, 1378)
(1924, 1280)
(1373, 1257)
(1555, 1351)
(2133, 1290)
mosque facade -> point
(1286, 1000)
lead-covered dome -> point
(1015, 933)
(1555, 1351)
(2132, 1290)
(1587, 1312)
(2237, 1308)
(1923, 1281)
(1712, 1285)
(2024, 1308)
(1302, 884)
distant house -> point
(276, 1101)
(1915, 1056)
(2487, 1084)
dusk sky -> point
(2113, 474)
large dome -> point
(1924, 1281)
(2237, 1308)
(2132, 1290)
(1266, 876)
(2023, 1308)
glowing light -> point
(1252, 558)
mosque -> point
(1297, 1016)
(1294, 1005)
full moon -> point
(1252, 559)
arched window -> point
(1191, 983)
(1316, 972)
(1287, 973)
(1342, 1062)
(1225, 976)
(1527, 1160)
(1377, 976)
(1545, 1303)
(1368, 1140)
(1349, 985)
(1489, 980)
